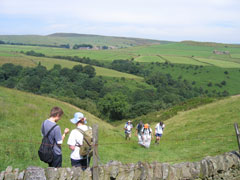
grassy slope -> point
(21, 115)
(189, 136)
(202, 76)
(68, 38)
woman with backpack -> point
(76, 141)
(146, 135)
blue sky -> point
(174, 20)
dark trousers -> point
(57, 161)
(83, 163)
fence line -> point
(112, 143)
(143, 162)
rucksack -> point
(86, 149)
(45, 151)
(139, 127)
(149, 131)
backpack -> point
(149, 131)
(139, 128)
(45, 151)
(86, 148)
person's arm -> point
(66, 131)
(72, 147)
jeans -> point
(83, 163)
(57, 161)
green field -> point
(30, 61)
(172, 49)
(189, 136)
(219, 63)
(185, 59)
(149, 59)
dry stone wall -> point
(222, 167)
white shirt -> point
(159, 129)
(76, 138)
(147, 131)
(128, 128)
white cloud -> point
(152, 18)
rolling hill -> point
(73, 38)
(188, 136)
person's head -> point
(161, 123)
(56, 112)
(129, 122)
(146, 126)
(78, 118)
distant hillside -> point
(73, 38)
(211, 44)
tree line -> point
(67, 46)
(81, 87)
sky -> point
(173, 20)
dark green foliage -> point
(115, 106)
(10, 70)
(223, 83)
(125, 66)
(33, 53)
(41, 45)
(77, 46)
(141, 108)
(209, 84)
(89, 70)
(112, 99)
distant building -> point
(221, 52)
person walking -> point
(146, 136)
(75, 141)
(55, 136)
(159, 131)
(139, 131)
(128, 130)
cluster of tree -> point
(127, 66)
(67, 46)
(77, 46)
(33, 53)
(109, 102)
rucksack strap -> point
(81, 131)
(49, 130)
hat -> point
(129, 121)
(77, 117)
(146, 125)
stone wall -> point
(222, 167)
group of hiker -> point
(50, 151)
(80, 139)
(144, 132)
